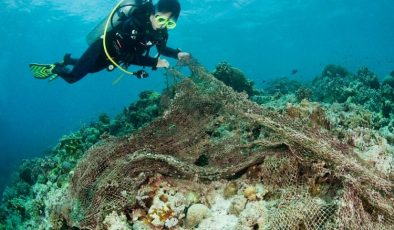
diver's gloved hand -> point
(184, 56)
(162, 63)
(141, 74)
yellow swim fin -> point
(43, 71)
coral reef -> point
(368, 78)
(234, 78)
(203, 156)
(332, 85)
(303, 93)
(280, 92)
(389, 80)
(282, 86)
(136, 115)
(335, 71)
(204, 111)
(33, 199)
(338, 85)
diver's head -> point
(166, 14)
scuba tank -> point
(126, 9)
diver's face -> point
(162, 20)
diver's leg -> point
(89, 62)
(68, 60)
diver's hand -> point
(162, 63)
(183, 56)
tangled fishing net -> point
(210, 132)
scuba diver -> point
(124, 39)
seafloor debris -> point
(213, 159)
(307, 178)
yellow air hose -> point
(105, 40)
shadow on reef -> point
(203, 152)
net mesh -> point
(302, 212)
(317, 181)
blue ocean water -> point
(267, 39)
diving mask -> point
(167, 22)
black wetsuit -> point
(129, 43)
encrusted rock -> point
(196, 213)
(231, 189)
(114, 221)
(237, 205)
(254, 214)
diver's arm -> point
(173, 53)
(167, 51)
(151, 62)
(170, 52)
(145, 61)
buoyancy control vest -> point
(125, 10)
